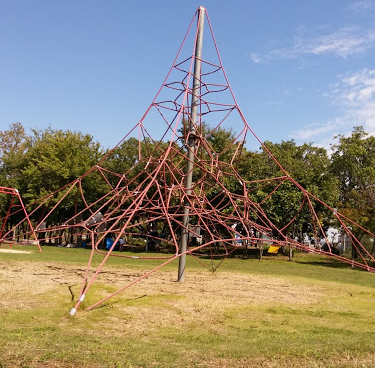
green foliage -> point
(221, 141)
(12, 140)
(124, 157)
(353, 162)
(305, 166)
(41, 163)
(13, 145)
(47, 160)
(56, 158)
(308, 166)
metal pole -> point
(191, 144)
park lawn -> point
(312, 312)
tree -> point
(308, 166)
(353, 162)
(52, 159)
(13, 145)
(55, 158)
(12, 140)
(123, 157)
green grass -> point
(333, 329)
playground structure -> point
(16, 206)
(181, 191)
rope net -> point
(145, 201)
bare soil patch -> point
(201, 292)
(2, 250)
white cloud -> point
(344, 42)
(324, 135)
(314, 130)
(255, 58)
(354, 95)
(361, 6)
(356, 90)
(275, 104)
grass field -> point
(312, 312)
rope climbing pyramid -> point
(185, 187)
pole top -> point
(202, 8)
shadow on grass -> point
(334, 264)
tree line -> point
(43, 161)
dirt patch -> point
(203, 299)
(24, 284)
(201, 292)
(2, 250)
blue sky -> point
(302, 70)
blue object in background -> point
(108, 243)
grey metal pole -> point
(191, 144)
